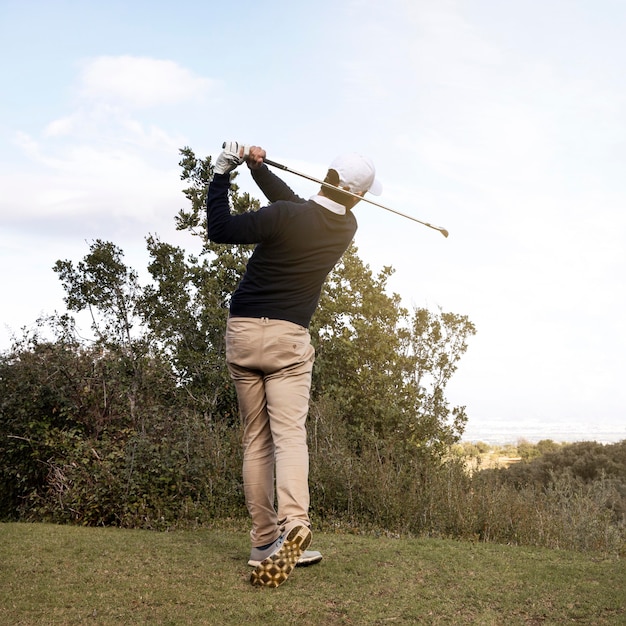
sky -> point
(503, 122)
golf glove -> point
(233, 155)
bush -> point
(84, 439)
(587, 460)
(149, 480)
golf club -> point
(443, 231)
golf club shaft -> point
(443, 231)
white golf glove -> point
(233, 155)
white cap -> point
(356, 173)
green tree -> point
(360, 345)
(437, 342)
(385, 369)
(105, 286)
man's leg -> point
(242, 342)
(287, 405)
(289, 358)
(258, 456)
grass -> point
(71, 575)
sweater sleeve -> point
(273, 187)
(245, 228)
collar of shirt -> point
(329, 204)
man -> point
(268, 349)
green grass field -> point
(72, 575)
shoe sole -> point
(275, 569)
(302, 561)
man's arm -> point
(273, 187)
(218, 209)
(246, 228)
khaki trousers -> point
(270, 362)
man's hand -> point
(255, 157)
(233, 155)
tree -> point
(437, 343)
(385, 369)
(360, 347)
(105, 286)
(102, 284)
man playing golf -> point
(268, 348)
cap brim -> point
(376, 189)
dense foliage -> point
(585, 461)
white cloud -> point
(58, 128)
(139, 82)
(102, 168)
